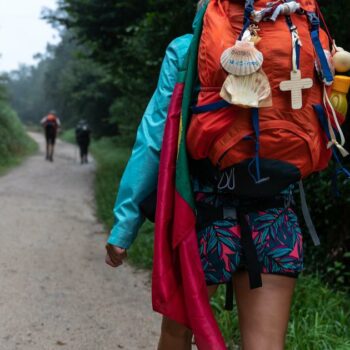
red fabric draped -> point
(179, 290)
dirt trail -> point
(55, 290)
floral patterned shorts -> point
(276, 235)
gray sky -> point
(22, 33)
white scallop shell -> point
(242, 59)
(341, 61)
(246, 91)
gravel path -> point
(55, 290)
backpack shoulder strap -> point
(315, 37)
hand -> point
(115, 255)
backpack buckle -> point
(314, 20)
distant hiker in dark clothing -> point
(51, 123)
(82, 135)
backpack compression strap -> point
(248, 10)
(315, 37)
(325, 126)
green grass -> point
(15, 144)
(111, 161)
(68, 136)
(320, 317)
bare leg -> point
(175, 336)
(264, 312)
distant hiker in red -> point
(50, 123)
(248, 118)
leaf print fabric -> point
(276, 235)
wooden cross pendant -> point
(296, 85)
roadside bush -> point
(14, 142)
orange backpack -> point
(51, 119)
(271, 146)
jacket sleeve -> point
(140, 176)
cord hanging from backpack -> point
(332, 137)
(296, 84)
(296, 44)
(227, 180)
(320, 15)
(324, 121)
(328, 80)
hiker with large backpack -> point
(51, 124)
(251, 115)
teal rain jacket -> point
(140, 176)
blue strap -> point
(298, 55)
(322, 118)
(315, 37)
(210, 107)
(256, 160)
(249, 8)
